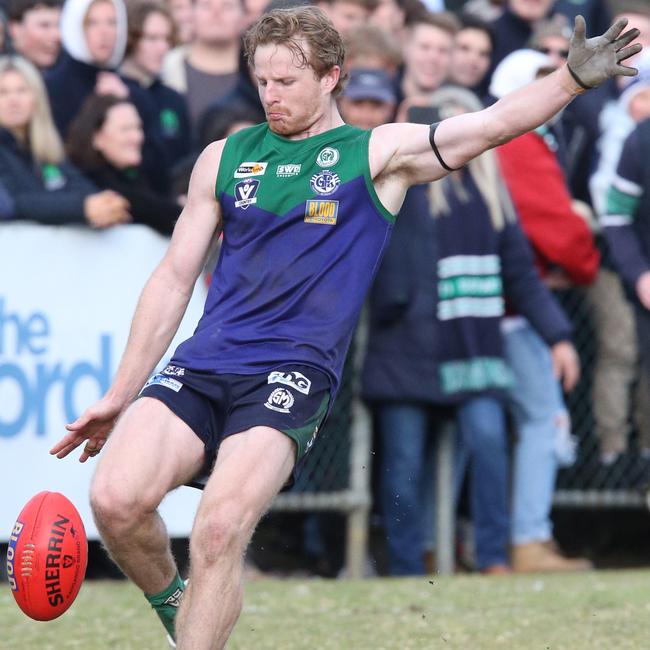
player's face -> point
(17, 102)
(120, 138)
(292, 97)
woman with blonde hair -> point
(435, 343)
(43, 186)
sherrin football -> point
(47, 556)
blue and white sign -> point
(67, 296)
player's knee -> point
(218, 534)
(117, 506)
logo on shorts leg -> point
(294, 379)
(280, 400)
(163, 380)
(176, 371)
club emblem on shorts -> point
(280, 400)
(325, 182)
(245, 192)
(327, 157)
(247, 169)
(294, 379)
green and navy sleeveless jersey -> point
(303, 235)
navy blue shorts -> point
(293, 399)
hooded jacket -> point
(74, 78)
(75, 75)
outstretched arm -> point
(159, 311)
(404, 150)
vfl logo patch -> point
(247, 169)
(245, 192)
(321, 211)
(285, 171)
(175, 371)
(163, 380)
(325, 182)
(328, 157)
(294, 379)
(280, 400)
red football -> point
(47, 556)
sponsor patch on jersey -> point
(328, 157)
(325, 182)
(294, 379)
(245, 192)
(321, 211)
(247, 169)
(280, 400)
(286, 171)
(164, 380)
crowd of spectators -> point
(105, 105)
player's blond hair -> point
(307, 32)
(43, 139)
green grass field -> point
(594, 611)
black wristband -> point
(432, 130)
(577, 79)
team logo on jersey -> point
(328, 157)
(325, 182)
(285, 171)
(294, 379)
(247, 169)
(280, 400)
(321, 211)
(245, 192)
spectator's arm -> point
(540, 194)
(623, 200)
(524, 290)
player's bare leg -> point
(150, 452)
(250, 470)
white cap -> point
(518, 69)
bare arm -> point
(160, 308)
(401, 154)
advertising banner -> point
(67, 296)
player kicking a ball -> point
(306, 204)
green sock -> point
(166, 603)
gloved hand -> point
(594, 60)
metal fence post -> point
(445, 510)
(357, 530)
